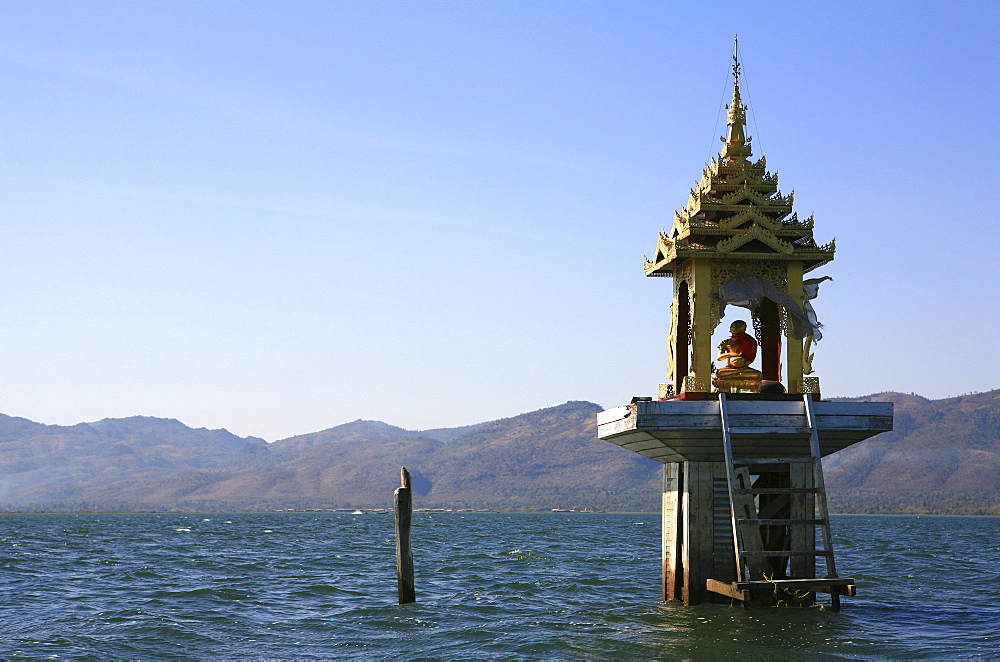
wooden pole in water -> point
(404, 559)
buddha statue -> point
(738, 352)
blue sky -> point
(279, 217)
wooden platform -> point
(746, 592)
(690, 430)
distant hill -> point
(942, 457)
(549, 458)
(358, 431)
(115, 461)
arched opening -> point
(682, 352)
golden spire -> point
(736, 147)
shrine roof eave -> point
(717, 184)
(713, 230)
(660, 269)
(810, 260)
(708, 205)
(810, 266)
(807, 255)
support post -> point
(697, 547)
(770, 339)
(403, 502)
(671, 532)
(803, 506)
(793, 347)
(702, 331)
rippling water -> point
(297, 585)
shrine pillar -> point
(701, 335)
(793, 346)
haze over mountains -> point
(942, 457)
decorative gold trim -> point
(725, 270)
(759, 233)
(807, 356)
(666, 391)
(750, 215)
(695, 385)
(671, 339)
(810, 385)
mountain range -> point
(943, 457)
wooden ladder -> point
(751, 568)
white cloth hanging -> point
(748, 291)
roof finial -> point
(736, 144)
(736, 60)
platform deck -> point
(690, 430)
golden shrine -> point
(745, 514)
(737, 242)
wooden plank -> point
(675, 421)
(849, 588)
(684, 421)
(642, 445)
(613, 414)
(741, 408)
(792, 407)
(614, 428)
(704, 427)
(823, 408)
(727, 589)
(786, 552)
(766, 430)
(708, 435)
(794, 583)
(703, 407)
(666, 454)
(744, 591)
(771, 460)
(780, 522)
(665, 457)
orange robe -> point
(748, 346)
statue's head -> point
(739, 326)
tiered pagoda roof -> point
(736, 212)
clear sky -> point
(276, 217)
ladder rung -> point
(762, 430)
(795, 583)
(793, 522)
(788, 552)
(772, 460)
(776, 490)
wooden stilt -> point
(671, 531)
(698, 545)
(403, 501)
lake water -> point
(582, 586)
